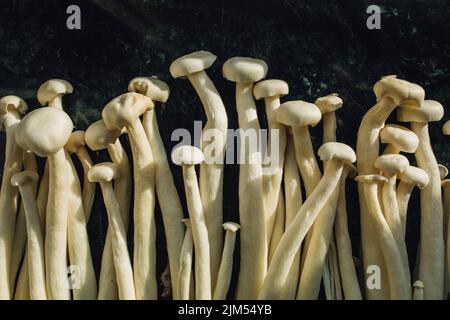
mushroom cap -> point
(401, 137)
(103, 172)
(443, 171)
(187, 156)
(76, 140)
(152, 87)
(446, 128)
(231, 226)
(125, 110)
(370, 178)
(191, 63)
(298, 113)
(52, 88)
(10, 104)
(329, 103)
(24, 177)
(391, 164)
(270, 88)
(404, 93)
(430, 111)
(418, 284)
(415, 176)
(336, 150)
(98, 137)
(351, 169)
(243, 69)
(44, 131)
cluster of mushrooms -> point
(291, 244)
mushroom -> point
(11, 108)
(398, 139)
(98, 137)
(418, 290)
(443, 171)
(226, 265)
(328, 106)
(166, 191)
(50, 93)
(431, 259)
(213, 144)
(185, 271)
(188, 157)
(271, 91)
(124, 111)
(399, 282)
(337, 154)
(48, 141)
(390, 92)
(26, 182)
(253, 239)
(104, 174)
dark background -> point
(318, 47)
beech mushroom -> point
(271, 91)
(104, 174)
(328, 106)
(48, 141)
(185, 271)
(337, 154)
(124, 111)
(50, 93)
(98, 137)
(26, 181)
(390, 92)
(11, 108)
(431, 259)
(418, 290)
(398, 139)
(253, 239)
(166, 191)
(226, 265)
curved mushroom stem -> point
(42, 196)
(88, 187)
(278, 226)
(404, 191)
(431, 259)
(184, 276)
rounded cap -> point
(103, 172)
(298, 113)
(270, 88)
(125, 109)
(414, 176)
(23, 177)
(187, 156)
(192, 63)
(98, 137)
(430, 111)
(391, 164)
(329, 103)
(443, 171)
(44, 131)
(401, 137)
(231, 226)
(446, 128)
(152, 87)
(52, 88)
(404, 93)
(419, 284)
(242, 69)
(370, 178)
(352, 171)
(76, 141)
(11, 104)
(336, 151)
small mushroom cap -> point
(125, 110)
(243, 69)
(270, 88)
(52, 88)
(351, 169)
(103, 172)
(187, 222)
(419, 284)
(446, 128)
(152, 87)
(192, 63)
(391, 164)
(338, 151)
(298, 113)
(10, 104)
(98, 137)
(24, 177)
(187, 156)
(44, 131)
(231, 226)
(329, 103)
(443, 171)
(415, 176)
(76, 140)
(430, 111)
(370, 178)
(401, 137)
(404, 93)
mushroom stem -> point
(278, 226)
(88, 187)
(418, 290)
(42, 196)
(22, 291)
(185, 271)
(403, 192)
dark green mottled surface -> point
(318, 47)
